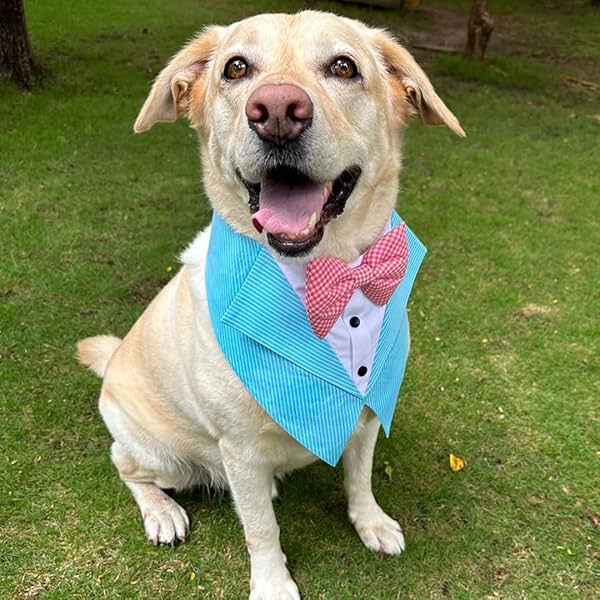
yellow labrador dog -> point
(310, 106)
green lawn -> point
(505, 330)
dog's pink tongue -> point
(285, 208)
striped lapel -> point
(268, 310)
(395, 312)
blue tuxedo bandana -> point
(262, 328)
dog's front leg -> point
(251, 486)
(376, 529)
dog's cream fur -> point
(177, 412)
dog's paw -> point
(378, 531)
(165, 521)
(283, 588)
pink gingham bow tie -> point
(330, 282)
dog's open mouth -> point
(294, 210)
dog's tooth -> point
(312, 221)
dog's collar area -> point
(333, 206)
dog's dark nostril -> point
(257, 112)
(299, 112)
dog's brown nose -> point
(279, 113)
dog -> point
(299, 119)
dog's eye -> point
(344, 67)
(236, 68)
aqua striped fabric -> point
(262, 328)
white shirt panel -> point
(355, 346)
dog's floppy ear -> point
(170, 94)
(410, 84)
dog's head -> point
(299, 118)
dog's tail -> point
(95, 352)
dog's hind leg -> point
(165, 521)
(376, 529)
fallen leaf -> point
(388, 469)
(456, 463)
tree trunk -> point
(16, 60)
(479, 30)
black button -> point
(354, 321)
(362, 371)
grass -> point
(497, 70)
(504, 365)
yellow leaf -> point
(388, 469)
(456, 463)
(192, 576)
